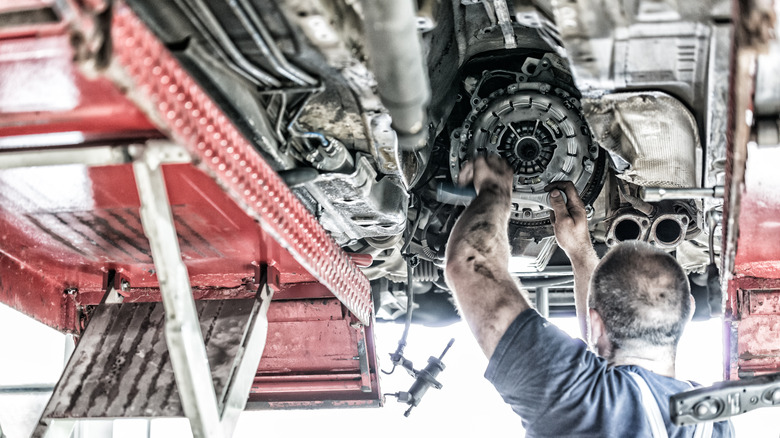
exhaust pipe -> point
(628, 226)
(668, 231)
(397, 61)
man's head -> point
(642, 297)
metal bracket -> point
(92, 155)
(182, 331)
(724, 399)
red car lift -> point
(751, 256)
(751, 250)
(129, 191)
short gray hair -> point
(642, 294)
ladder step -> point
(121, 366)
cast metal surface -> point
(356, 205)
(628, 225)
(536, 126)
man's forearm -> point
(477, 269)
(583, 263)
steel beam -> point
(182, 329)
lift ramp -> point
(121, 367)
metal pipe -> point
(214, 28)
(26, 389)
(397, 62)
(549, 271)
(214, 45)
(543, 301)
(292, 130)
(639, 204)
(653, 194)
(630, 225)
(252, 22)
(536, 283)
(668, 231)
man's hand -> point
(478, 254)
(569, 219)
(490, 173)
(570, 222)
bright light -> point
(467, 405)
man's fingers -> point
(568, 188)
(574, 205)
(557, 204)
(466, 174)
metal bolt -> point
(125, 286)
(589, 211)
(71, 291)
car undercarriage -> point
(369, 118)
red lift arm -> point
(69, 208)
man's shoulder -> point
(557, 385)
(662, 388)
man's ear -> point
(693, 308)
(598, 333)
(596, 326)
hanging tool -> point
(424, 379)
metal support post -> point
(182, 329)
(248, 358)
(543, 301)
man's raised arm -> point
(478, 254)
(570, 222)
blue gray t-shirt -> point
(561, 389)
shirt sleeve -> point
(536, 364)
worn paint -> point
(751, 254)
(43, 92)
(306, 336)
(764, 302)
(758, 248)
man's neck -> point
(659, 360)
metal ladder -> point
(172, 359)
